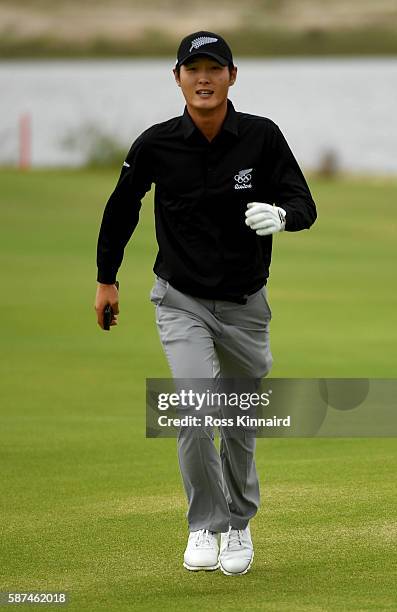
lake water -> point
(343, 105)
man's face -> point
(205, 83)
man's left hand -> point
(264, 218)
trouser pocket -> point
(159, 291)
(264, 295)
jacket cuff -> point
(107, 277)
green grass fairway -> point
(92, 507)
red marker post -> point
(25, 141)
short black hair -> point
(178, 68)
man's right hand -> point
(106, 294)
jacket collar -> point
(230, 123)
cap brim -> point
(218, 58)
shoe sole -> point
(198, 568)
(236, 573)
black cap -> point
(204, 43)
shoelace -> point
(203, 538)
(234, 538)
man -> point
(225, 183)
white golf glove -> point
(264, 218)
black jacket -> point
(202, 191)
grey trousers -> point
(210, 339)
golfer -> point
(225, 183)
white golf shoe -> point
(201, 551)
(237, 552)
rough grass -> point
(41, 28)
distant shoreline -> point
(245, 43)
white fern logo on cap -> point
(203, 40)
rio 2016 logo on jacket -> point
(243, 179)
